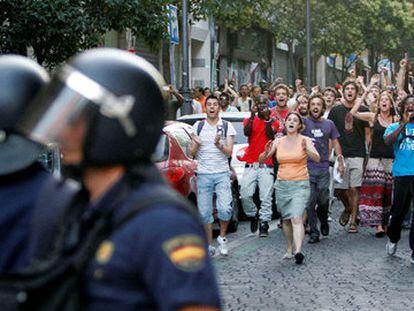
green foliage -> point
(58, 29)
(233, 14)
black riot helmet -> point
(119, 95)
(20, 80)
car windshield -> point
(237, 124)
(161, 151)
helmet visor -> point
(65, 100)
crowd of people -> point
(108, 233)
(353, 142)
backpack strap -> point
(200, 126)
(225, 127)
(202, 122)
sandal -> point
(353, 228)
(344, 219)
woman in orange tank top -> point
(292, 183)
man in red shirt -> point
(260, 131)
(280, 111)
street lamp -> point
(308, 47)
(186, 108)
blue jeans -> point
(207, 184)
(319, 181)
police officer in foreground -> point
(105, 109)
(21, 175)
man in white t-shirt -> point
(212, 145)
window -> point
(162, 149)
(183, 139)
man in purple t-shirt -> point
(320, 131)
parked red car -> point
(172, 157)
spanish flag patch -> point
(186, 252)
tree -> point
(388, 28)
(287, 22)
(336, 31)
(58, 29)
(237, 14)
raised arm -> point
(248, 127)
(401, 74)
(364, 116)
(391, 138)
(270, 150)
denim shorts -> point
(207, 185)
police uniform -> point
(156, 261)
(21, 176)
(18, 193)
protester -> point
(352, 140)
(259, 129)
(292, 183)
(200, 97)
(244, 101)
(152, 258)
(256, 90)
(195, 105)
(322, 132)
(376, 189)
(329, 94)
(401, 136)
(280, 111)
(212, 146)
(302, 105)
(206, 93)
(225, 104)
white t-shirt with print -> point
(210, 159)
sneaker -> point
(330, 219)
(412, 258)
(391, 248)
(254, 223)
(264, 229)
(211, 250)
(287, 256)
(223, 249)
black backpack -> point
(56, 284)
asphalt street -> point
(343, 272)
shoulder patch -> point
(186, 252)
(104, 252)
